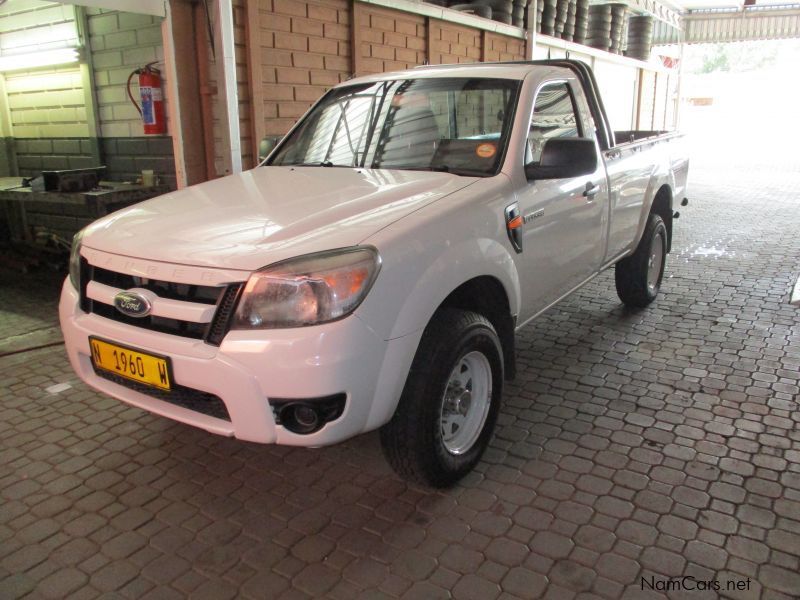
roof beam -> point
(757, 22)
(657, 10)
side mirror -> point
(267, 145)
(563, 158)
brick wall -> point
(452, 43)
(501, 47)
(304, 49)
(389, 40)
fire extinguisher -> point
(152, 98)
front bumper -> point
(250, 367)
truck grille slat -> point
(196, 331)
(224, 297)
(165, 289)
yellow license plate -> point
(131, 364)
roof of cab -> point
(499, 70)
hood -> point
(252, 219)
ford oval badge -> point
(132, 304)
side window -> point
(554, 115)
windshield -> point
(458, 125)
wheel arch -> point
(658, 200)
(662, 206)
(486, 295)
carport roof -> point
(686, 5)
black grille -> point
(202, 294)
(185, 397)
(196, 331)
(225, 297)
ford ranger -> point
(373, 271)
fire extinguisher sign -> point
(149, 95)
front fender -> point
(425, 257)
(408, 299)
(404, 299)
(456, 265)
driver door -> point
(564, 220)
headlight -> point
(75, 261)
(308, 290)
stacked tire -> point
(618, 17)
(640, 37)
(548, 17)
(478, 9)
(562, 10)
(569, 25)
(581, 21)
(598, 34)
(518, 13)
(539, 13)
(501, 10)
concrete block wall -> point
(121, 42)
(47, 104)
(42, 103)
(47, 107)
(35, 155)
(46, 110)
(32, 25)
(126, 157)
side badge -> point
(514, 226)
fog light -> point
(307, 415)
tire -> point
(500, 5)
(638, 276)
(417, 442)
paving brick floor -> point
(634, 447)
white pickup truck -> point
(373, 272)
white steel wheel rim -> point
(654, 263)
(466, 402)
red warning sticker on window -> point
(486, 150)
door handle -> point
(591, 190)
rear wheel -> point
(449, 405)
(638, 276)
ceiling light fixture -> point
(46, 58)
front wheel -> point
(638, 276)
(449, 405)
